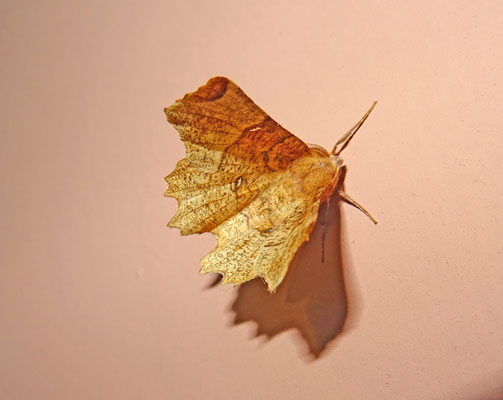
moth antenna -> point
(349, 134)
(354, 203)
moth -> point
(249, 181)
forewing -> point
(234, 152)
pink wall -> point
(99, 300)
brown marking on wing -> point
(213, 90)
(220, 116)
(269, 144)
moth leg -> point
(349, 200)
(349, 134)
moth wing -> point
(234, 152)
(262, 239)
(207, 198)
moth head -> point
(338, 163)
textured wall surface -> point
(100, 300)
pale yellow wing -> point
(207, 198)
(262, 239)
(234, 152)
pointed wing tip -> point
(214, 89)
(216, 81)
(218, 78)
(272, 286)
(226, 278)
(168, 193)
(208, 269)
(174, 223)
(172, 112)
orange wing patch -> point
(220, 117)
